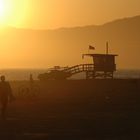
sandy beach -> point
(75, 110)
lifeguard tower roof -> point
(105, 55)
(100, 55)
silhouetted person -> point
(5, 96)
(31, 78)
(31, 82)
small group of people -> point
(5, 96)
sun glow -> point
(5, 10)
(13, 12)
(2, 9)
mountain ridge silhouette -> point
(64, 46)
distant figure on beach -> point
(5, 96)
(31, 78)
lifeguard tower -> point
(104, 65)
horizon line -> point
(69, 27)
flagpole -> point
(107, 49)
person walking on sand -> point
(5, 96)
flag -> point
(91, 47)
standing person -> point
(31, 79)
(5, 96)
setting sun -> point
(13, 12)
(6, 11)
(3, 10)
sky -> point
(50, 14)
(29, 50)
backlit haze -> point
(64, 13)
(44, 48)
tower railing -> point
(79, 68)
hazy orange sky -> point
(28, 49)
(66, 13)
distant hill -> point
(64, 46)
